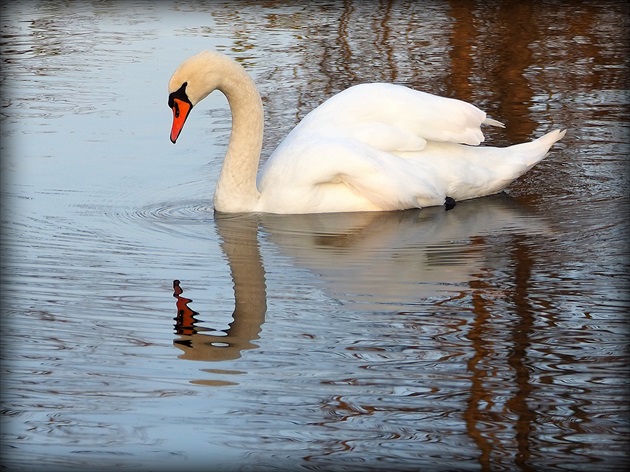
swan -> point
(371, 147)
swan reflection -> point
(240, 246)
(366, 260)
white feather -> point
(372, 147)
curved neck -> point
(236, 189)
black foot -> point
(449, 203)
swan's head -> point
(193, 81)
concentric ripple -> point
(186, 218)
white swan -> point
(372, 147)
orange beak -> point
(181, 109)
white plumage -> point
(372, 147)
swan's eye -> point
(180, 94)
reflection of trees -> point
(486, 54)
(509, 58)
(497, 416)
(501, 57)
(481, 409)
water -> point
(489, 337)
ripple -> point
(468, 339)
(182, 218)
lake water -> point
(490, 337)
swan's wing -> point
(323, 174)
(395, 118)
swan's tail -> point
(535, 151)
(488, 170)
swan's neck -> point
(236, 189)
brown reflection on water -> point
(520, 342)
(510, 357)
(502, 66)
(479, 395)
(491, 440)
(462, 40)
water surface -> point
(489, 337)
